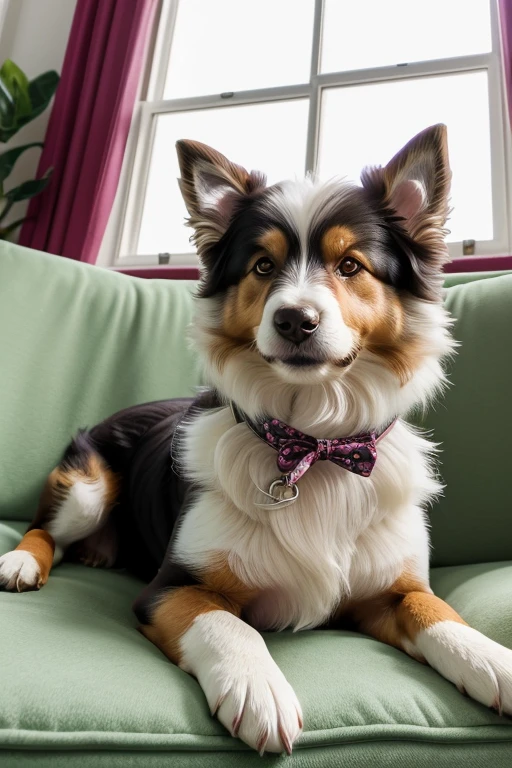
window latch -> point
(468, 247)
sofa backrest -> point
(78, 343)
(472, 522)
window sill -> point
(479, 264)
(163, 272)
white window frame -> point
(120, 242)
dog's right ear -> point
(212, 187)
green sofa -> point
(79, 686)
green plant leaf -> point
(14, 98)
(16, 84)
(8, 124)
(7, 116)
(29, 189)
(20, 100)
(41, 90)
(9, 158)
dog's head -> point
(308, 278)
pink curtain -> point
(505, 7)
(89, 125)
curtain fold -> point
(505, 10)
(89, 126)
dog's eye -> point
(264, 266)
(349, 267)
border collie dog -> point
(291, 493)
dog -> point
(291, 493)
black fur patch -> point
(226, 261)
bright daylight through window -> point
(287, 87)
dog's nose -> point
(296, 323)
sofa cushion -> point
(78, 343)
(81, 687)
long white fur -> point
(345, 536)
(82, 512)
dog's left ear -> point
(415, 184)
(212, 188)
(411, 193)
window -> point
(328, 86)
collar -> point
(297, 452)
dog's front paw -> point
(477, 665)
(243, 685)
(19, 571)
(258, 705)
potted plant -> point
(21, 101)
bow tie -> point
(297, 452)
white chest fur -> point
(345, 536)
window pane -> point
(269, 137)
(376, 33)
(366, 125)
(234, 45)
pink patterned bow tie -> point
(298, 452)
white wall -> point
(34, 34)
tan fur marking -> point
(220, 590)
(243, 307)
(274, 242)
(402, 357)
(420, 610)
(371, 308)
(335, 243)
(42, 546)
(175, 614)
(61, 480)
(400, 612)
(362, 302)
(376, 313)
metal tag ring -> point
(282, 484)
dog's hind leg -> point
(75, 503)
(410, 617)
